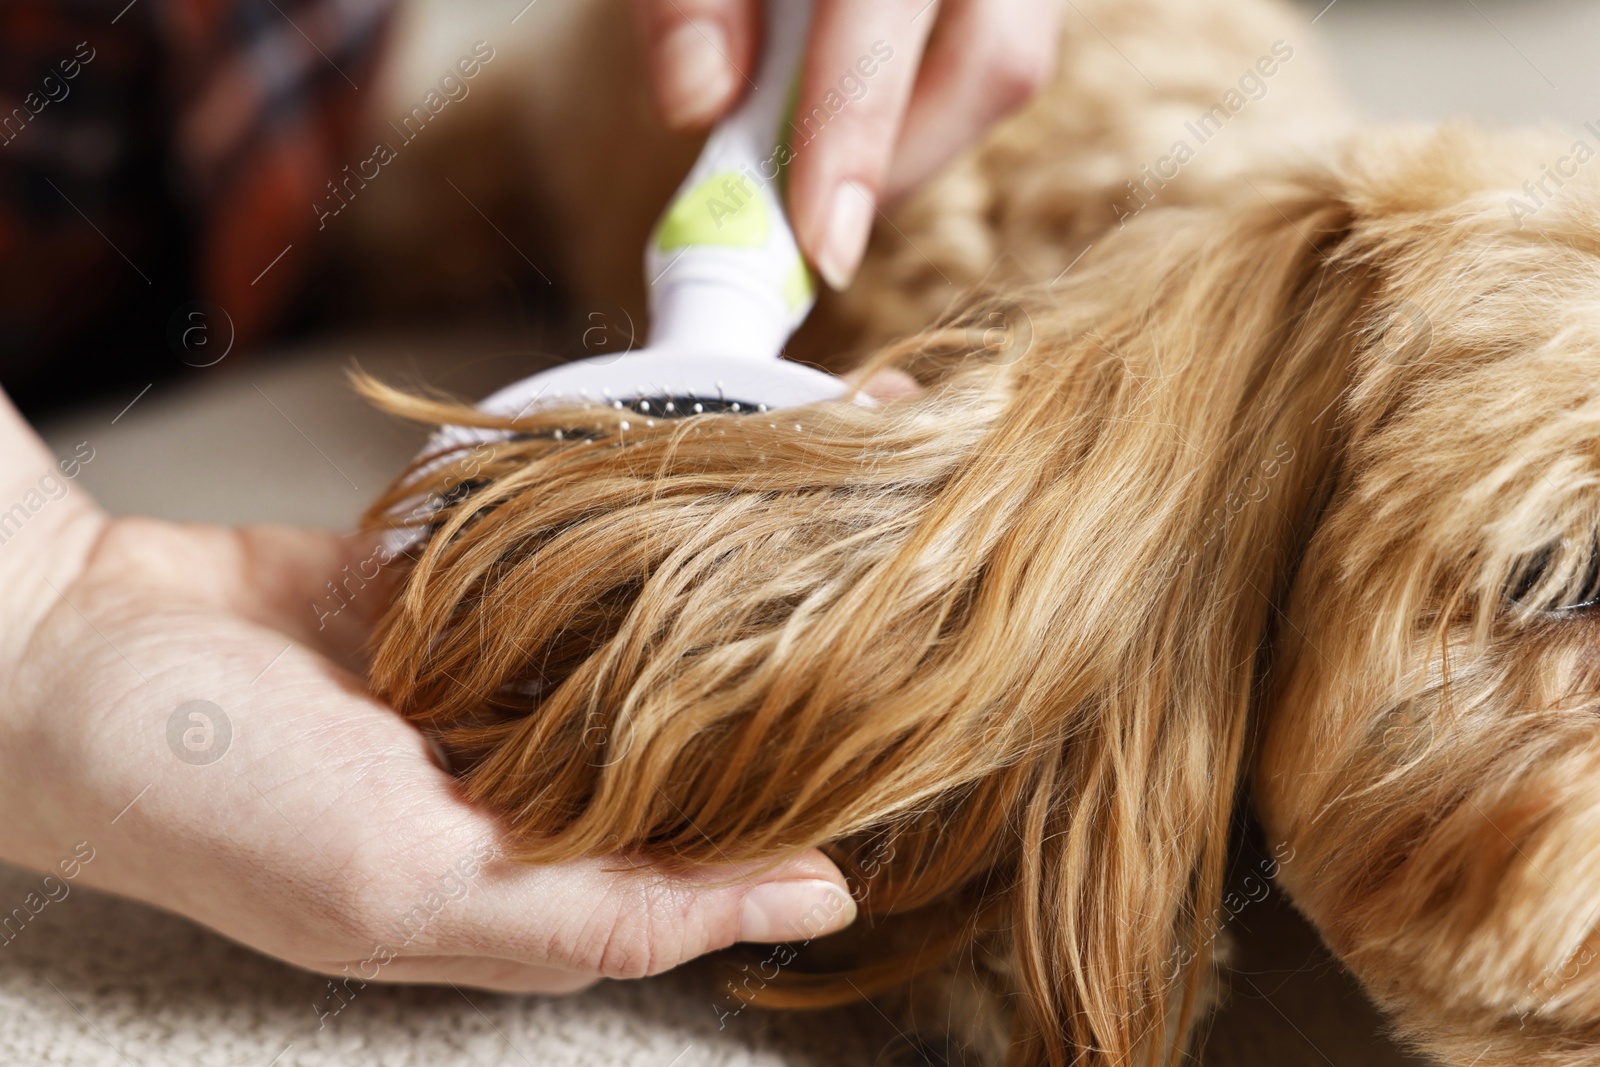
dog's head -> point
(1432, 737)
(1321, 461)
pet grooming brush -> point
(727, 284)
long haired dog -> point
(1292, 479)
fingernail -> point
(795, 911)
(845, 241)
(696, 77)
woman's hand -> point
(880, 107)
(175, 703)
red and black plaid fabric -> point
(158, 152)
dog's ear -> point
(1188, 423)
(1011, 626)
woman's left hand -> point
(890, 91)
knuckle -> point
(644, 930)
(628, 953)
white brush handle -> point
(724, 271)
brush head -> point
(765, 384)
(655, 383)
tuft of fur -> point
(1289, 484)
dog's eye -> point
(1582, 591)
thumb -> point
(616, 917)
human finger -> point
(987, 58)
(616, 918)
(699, 53)
(856, 81)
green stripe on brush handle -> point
(724, 270)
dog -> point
(1255, 464)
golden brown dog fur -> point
(1279, 493)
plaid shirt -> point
(158, 152)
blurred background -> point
(202, 347)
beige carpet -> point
(98, 981)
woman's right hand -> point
(175, 704)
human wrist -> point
(48, 524)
